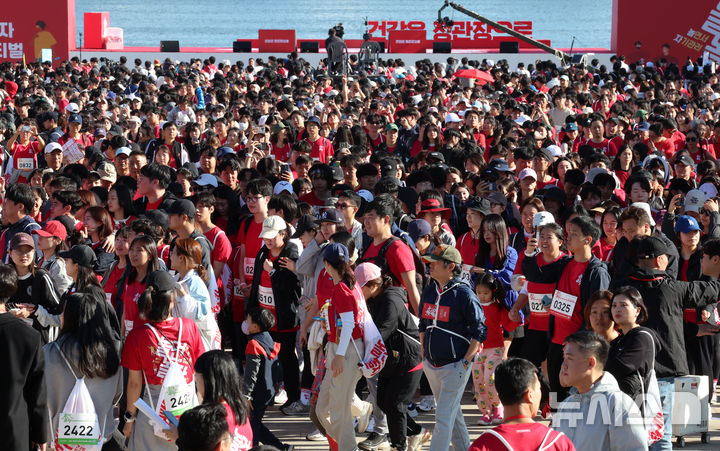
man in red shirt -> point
(321, 176)
(597, 138)
(152, 184)
(518, 385)
(322, 148)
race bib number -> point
(563, 304)
(465, 274)
(249, 267)
(26, 164)
(108, 297)
(430, 311)
(237, 291)
(128, 326)
(266, 297)
(179, 398)
(536, 303)
(78, 429)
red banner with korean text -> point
(651, 30)
(407, 41)
(28, 29)
(276, 41)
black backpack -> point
(381, 262)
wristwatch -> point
(129, 418)
(465, 363)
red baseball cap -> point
(53, 228)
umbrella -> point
(481, 76)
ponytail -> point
(202, 272)
(153, 305)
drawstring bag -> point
(652, 411)
(176, 395)
(375, 351)
(78, 426)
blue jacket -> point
(449, 321)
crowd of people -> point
(186, 244)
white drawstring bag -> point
(78, 426)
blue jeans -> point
(667, 398)
(448, 384)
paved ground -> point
(293, 429)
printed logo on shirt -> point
(430, 310)
(579, 279)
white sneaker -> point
(426, 404)
(364, 417)
(315, 436)
(415, 442)
(281, 397)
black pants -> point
(289, 362)
(535, 346)
(395, 390)
(261, 434)
(554, 364)
(307, 377)
(239, 343)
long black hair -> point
(86, 326)
(222, 382)
(125, 199)
(154, 305)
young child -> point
(491, 294)
(261, 355)
(51, 240)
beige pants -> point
(334, 404)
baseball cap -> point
(643, 126)
(686, 160)
(545, 153)
(366, 195)
(497, 197)
(281, 186)
(499, 165)
(389, 167)
(694, 200)
(437, 156)
(72, 107)
(335, 253)
(686, 224)
(305, 223)
(645, 206)
(182, 207)
(22, 239)
(206, 179)
(51, 147)
(52, 228)
(76, 118)
(123, 151)
(709, 189)
(650, 247)
(444, 252)
(418, 228)
(714, 96)
(391, 126)
(365, 272)
(313, 120)
(107, 172)
(332, 215)
(161, 281)
(81, 254)
(527, 172)
(272, 225)
(452, 117)
(543, 218)
(571, 127)
(158, 217)
(481, 205)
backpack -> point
(381, 262)
(78, 425)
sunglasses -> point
(692, 140)
(704, 212)
(343, 205)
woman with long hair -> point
(99, 226)
(120, 205)
(276, 288)
(143, 260)
(159, 355)
(609, 224)
(119, 266)
(280, 144)
(86, 348)
(598, 315)
(51, 240)
(495, 256)
(623, 163)
(194, 300)
(344, 349)
(35, 288)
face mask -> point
(216, 117)
(242, 126)
(245, 328)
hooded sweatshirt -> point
(260, 356)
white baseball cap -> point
(527, 172)
(283, 186)
(207, 179)
(694, 200)
(72, 107)
(543, 218)
(52, 146)
(452, 117)
(272, 225)
(709, 189)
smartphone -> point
(263, 146)
(26, 128)
(285, 167)
(171, 418)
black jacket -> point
(285, 286)
(23, 398)
(398, 330)
(594, 278)
(260, 374)
(621, 265)
(631, 358)
(167, 200)
(665, 299)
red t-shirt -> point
(604, 250)
(253, 244)
(111, 283)
(497, 320)
(345, 300)
(322, 149)
(539, 317)
(541, 185)
(25, 157)
(324, 287)
(523, 436)
(569, 283)
(221, 247)
(468, 247)
(238, 301)
(242, 435)
(312, 199)
(141, 351)
(398, 256)
(607, 147)
(164, 253)
(130, 297)
(282, 153)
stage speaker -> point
(169, 46)
(442, 47)
(309, 47)
(509, 47)
(242, 46)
